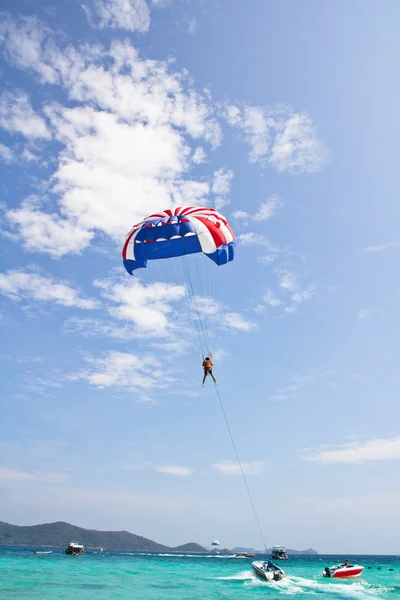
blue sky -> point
(284, 117)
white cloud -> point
(289, 281)
(20, 285)
(156, 310)
(221, 186)
(277, 398)
(98, 328)
(382, 247)
(29, 156)
(268, 208)
(297, 148)
(215, 312)
(220, 354)
(199, 155)
(18, 116)
(12, 476)
(259, 308)
(41, 385)
(125, 131)
(24, 42)
(270, 299)
(357, 452)
(232, 114)
(256, 125)
(222, 182)
(118, 161)
(306, 294)
(281, 138)
(176, 470)
(131, 15)
(236, 321)
(192, 26)
(255, 239)
(227, 467)
(6, 154)
(267, 259)
(297, 383)
(124, 136)
(240, 214)
(146, 306)
(48, 233)
(173, 348)
(208, 306)
(265, 211)
(142, 374)
(301, 296)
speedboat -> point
(279, 553)
(74, 548)
(41, 552)
(268, 571)
(244, 555)
(343, 571)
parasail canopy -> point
(183, 230)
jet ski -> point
(343, 571)
(267, 570)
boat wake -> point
(292, 586)
(242, 576)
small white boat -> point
(344, 571)
(268, 571)
(74, 548)
(279, 553)
(41, 552)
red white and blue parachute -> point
(184, 235)
(172, 233)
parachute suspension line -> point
(177, 267)
(201, 274)
(240, 466)
(181, 317)
(181, 326)
(193, 298)
(194, 318)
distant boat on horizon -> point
(74, 548)
(279, 553)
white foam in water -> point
(294, 586)
(357, 590)
(242, 576)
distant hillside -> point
(288, 550)
(191, 547)
(60, 534)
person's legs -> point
(204, 378)
(213, 376)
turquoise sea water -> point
(135, 576)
